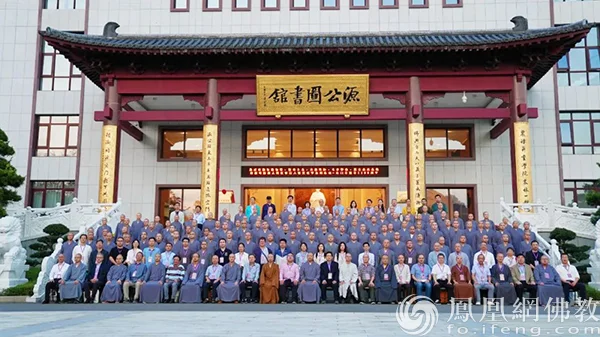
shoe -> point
(293, 302)
(373, 303)
(323, 302)
(362, 302)
(477, 303)
(437, 301)
(45, 302)
(336, 302)
(282, 302)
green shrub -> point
(25, 289)
(593, 293)
(32, 273)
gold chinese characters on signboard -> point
(312, 95)
(209, 168)
(523, 162)
(416, 164)
(108, 162)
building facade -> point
(468, 92)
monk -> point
(151, 291)
(548, 281)
(191, 286)
(71, 284)
(503, 282)
(309, 290)
(269, 281)
(229, 290)
(213, 277)
(113, 289)
(461, 276)
(386, 284)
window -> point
(296, 5)
(322, 143)
(188, 197)
(270, 5)
(418, 3)
(330, 4)
(448, 143)
(46, 194)
(180, 5)
(212, 5)
(58, 136)
(64, 4)
(581, 66)
(359, 4)
(456, 198)
(575, 192)
(388, 3)
(57, 72)
(181, 144)
(452, 3)
(240, 5)
(580, 132)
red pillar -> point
(110, 146)
(520, 143)
(415, 144)
(210, 150)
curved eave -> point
(559, 40)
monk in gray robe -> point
(113, 289)
(72, 283)
(152, 288)
(310, 273)
(502, 279)
(191, 286)
(386, 285)
(229, 289)
(548, 281)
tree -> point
(9, 179)
(45, 245)
(563, 237)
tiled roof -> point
(417, 41)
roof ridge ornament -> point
(110, 29)
(520, 23)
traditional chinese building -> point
(230, 102)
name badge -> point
(386, 277)
(329, 276)
(461, 277)
(134, 273)
(194, 276)
(522, 276)
(569, 275)
(248, 276)
(202, 261)
(410, 260)
(536, 262)
(184, 260)
(367, 277)
(502, 277)
(546, 275)
(221, 259)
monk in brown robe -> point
(269, 282)
(463, 286)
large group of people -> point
(370, 255)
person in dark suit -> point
(96, 278)
(261, 251)
(534, 256)
(265, 208)
(330, 276)
(99, 251)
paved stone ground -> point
(263, 320)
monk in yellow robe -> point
(269, 282)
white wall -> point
(18, 38)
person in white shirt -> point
(488, 260)
(290, 206)
(132, 253)
(177, 212)
(569, 278)
(442, 278)
(366, 248)
(510, 259)
(348, 278)
(241, 257)
(83, 249)
(395, 208)
(56, 274)
(403, 277)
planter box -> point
(13, 299)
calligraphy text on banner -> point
(523, 162)
(312, 95)
(416, 164)
(108, 162)
(210, 174)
